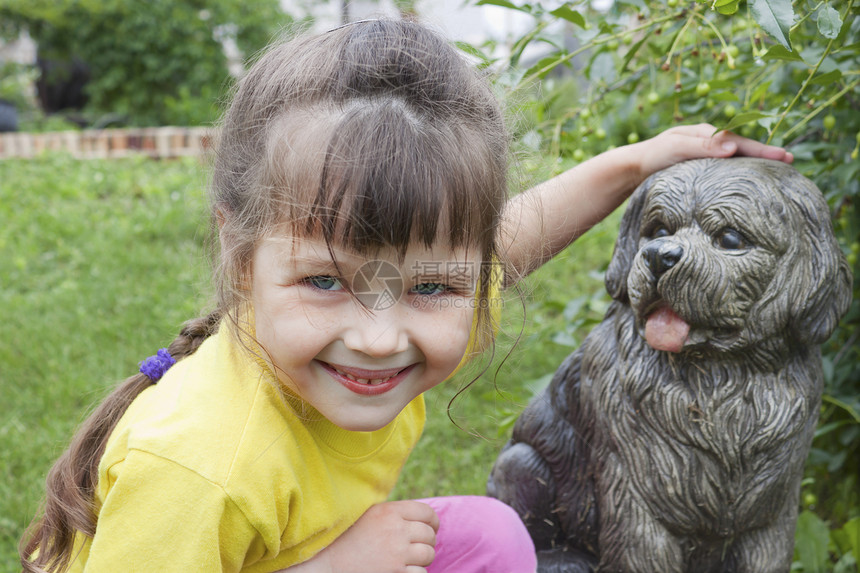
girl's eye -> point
(731, 240)
(425, 289)
(324, 282)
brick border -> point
(161, 142)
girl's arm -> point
(540, 222)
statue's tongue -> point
(665, 330)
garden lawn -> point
(102, 261)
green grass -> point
(101, 263)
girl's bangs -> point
(376, 175)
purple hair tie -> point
(156, 366)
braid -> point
(70, 488)
(192, 335)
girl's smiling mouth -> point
(365, 381)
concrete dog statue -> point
(674, 439)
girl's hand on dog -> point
(698, 141)
(391, 536)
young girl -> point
(359, 198)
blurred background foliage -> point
(128, 62)
(577, 81)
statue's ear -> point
(821, 285)
(824, 305)
(627, 244)
(813, 289)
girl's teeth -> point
(369, 381)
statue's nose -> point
(660, 256)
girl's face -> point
(360, 357)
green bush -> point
(774, 70)
(15, 84)
(158, 62)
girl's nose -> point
(378, 335)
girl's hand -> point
(697, 141)
(392, 536)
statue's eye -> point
(731, 240)
(660, 231)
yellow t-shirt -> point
(210, 470)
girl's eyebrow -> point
(318, 261)
(306, 262)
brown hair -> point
(375, 134)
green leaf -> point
(846, 564)
(852, 531)
(574, 308)
(775, 17)
(637, 3)
(727, 7)
(570, 15)
(743, 119)
(844, 405)
(767, 122)
(836, 461)
(473, 51)
(760, 90)
(607, 28)
(565, 339)
(544, 66)
(601, 68)
(829, 22)
(503, 4)
(828, 428)
(829, 78)
(631, 53)
(781, 53)
(522, 43)
(811, 539)
(724, 96)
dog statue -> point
(674, 439)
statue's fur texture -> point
(639, 460)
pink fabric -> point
(480, 535)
